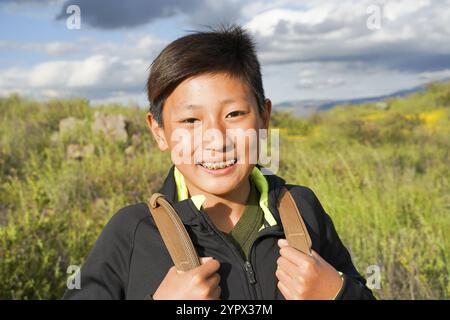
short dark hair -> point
(225, 49)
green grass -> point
(382, 175)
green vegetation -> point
(381, 173)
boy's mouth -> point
(217, 164)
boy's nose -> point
(217, 142)
(216, 139)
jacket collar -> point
(188, 212)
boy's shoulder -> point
(303, 192)
(133, 212)
(126, 220)
(298, 191)
(309, 206)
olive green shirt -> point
(244, 232)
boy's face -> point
(211, 127)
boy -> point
(201, 87)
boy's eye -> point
(189, 120)
(235, 113)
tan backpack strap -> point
(294, 227)
(173, 233)
(181, 248)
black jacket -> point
(129, 259)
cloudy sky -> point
(312, 49)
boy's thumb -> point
(203, 260)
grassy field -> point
(380, 170)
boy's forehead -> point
(221, 89)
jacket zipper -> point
(250, 272)
(252, 254)
(246, 265)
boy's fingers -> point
(173, 269)
(216, 294)
(214, 280)
(284, 290)
(282, 243)
(295, 256)
(203, 260)
(208, 267)
(315, 255)
(288, 267)
(286, 279)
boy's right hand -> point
(201, 283)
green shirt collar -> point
(258, 179)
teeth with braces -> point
(218, 165)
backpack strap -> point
(173, 233)
(294, 227)
(181, 248)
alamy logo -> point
(374, 278)
(374, 20)
(74, 20)
(74, 280)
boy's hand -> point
(301, 276)
(201, 283)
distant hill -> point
(306, 107)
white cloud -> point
(334, 80)
(60, 48)
(319, 83)
(107, 71)
(97, 77)
(55, 49)
(70, 74)
(309, 49)
(336, 31)
(435, 75)
(142, 45)
(394, 10)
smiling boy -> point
(202, 89)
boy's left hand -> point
(301, 276)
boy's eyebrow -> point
(227, 101)
(192, 106)
(195, 106)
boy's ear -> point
(266, 114)
(157, 131)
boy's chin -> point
(219, 183)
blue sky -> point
(311, 49)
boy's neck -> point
(224, 210)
